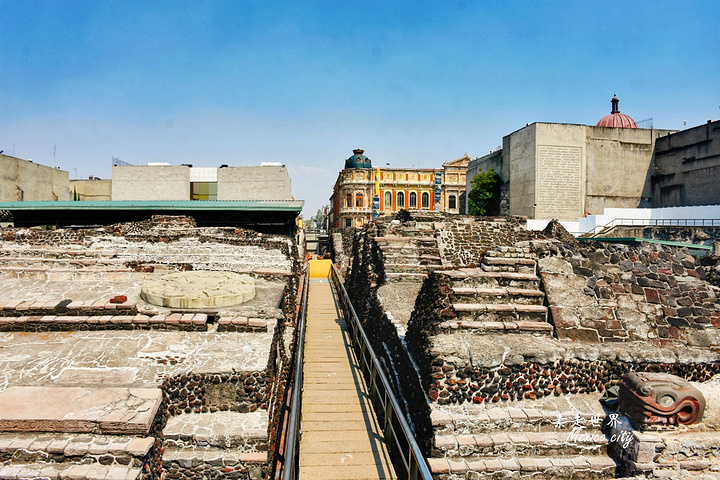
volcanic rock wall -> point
(609, 293)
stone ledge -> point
(62, 444)
(103, 322)
(79, 410)
(58, 471)
(548, 465)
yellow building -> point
(362, 192)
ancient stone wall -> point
(465, 240)
(101, 270)
(362, 288)
(655, 293)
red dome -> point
(616, 119)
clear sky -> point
(303, 83)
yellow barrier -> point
(320, 268)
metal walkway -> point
(341, 438)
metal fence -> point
(289, 466)
(660, 222)
(396, 431)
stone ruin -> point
(96, 382)
(502, 343)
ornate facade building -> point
(362, 192)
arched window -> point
(452, 202)
(358, 199)
(388, 201)
(413, 200)
(400, 200)
(425, 200)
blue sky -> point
(413, 83)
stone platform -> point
(122, 411)
(131, 358)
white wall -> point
(636, 216)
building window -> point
(359, 222)
(413, 200)
(400, 200)
(348, 222)
(348, 200)
(425, 200)
(388, 201)
(359, 200)
(452, 202)
(203, 190)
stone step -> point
(54, 323)
(586, 467)
(551, 414)
(522, 296)
(498, 312)
(68, 470)
(489, 260)
(392, 240)
(59, 447)
(508, 268)
(412, 258)
(405, 267)
(66, 307)
(113, 411)
(478, 278)
(486, 328)
(576, 442)
(208, 462)
(34, 260)
(405, 277)
(243, 431)
(58, 252)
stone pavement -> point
(341, 438)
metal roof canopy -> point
(267, 216)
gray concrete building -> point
(24, 180)
(686, 168)
(564, 171)
(184, 182)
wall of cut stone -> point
(467, 367)
(465, 240)
(383, 335)
(610, 293)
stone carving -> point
(199, 289)
(659, 400)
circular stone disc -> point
(199, 289)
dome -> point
(616, 119)
(358, 160)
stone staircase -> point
(503, 294)
(78, 433)
(521, 441)
(409, 252)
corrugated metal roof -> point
(237, 205)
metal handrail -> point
(292, 444)
(396, 430)
(671, 222)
